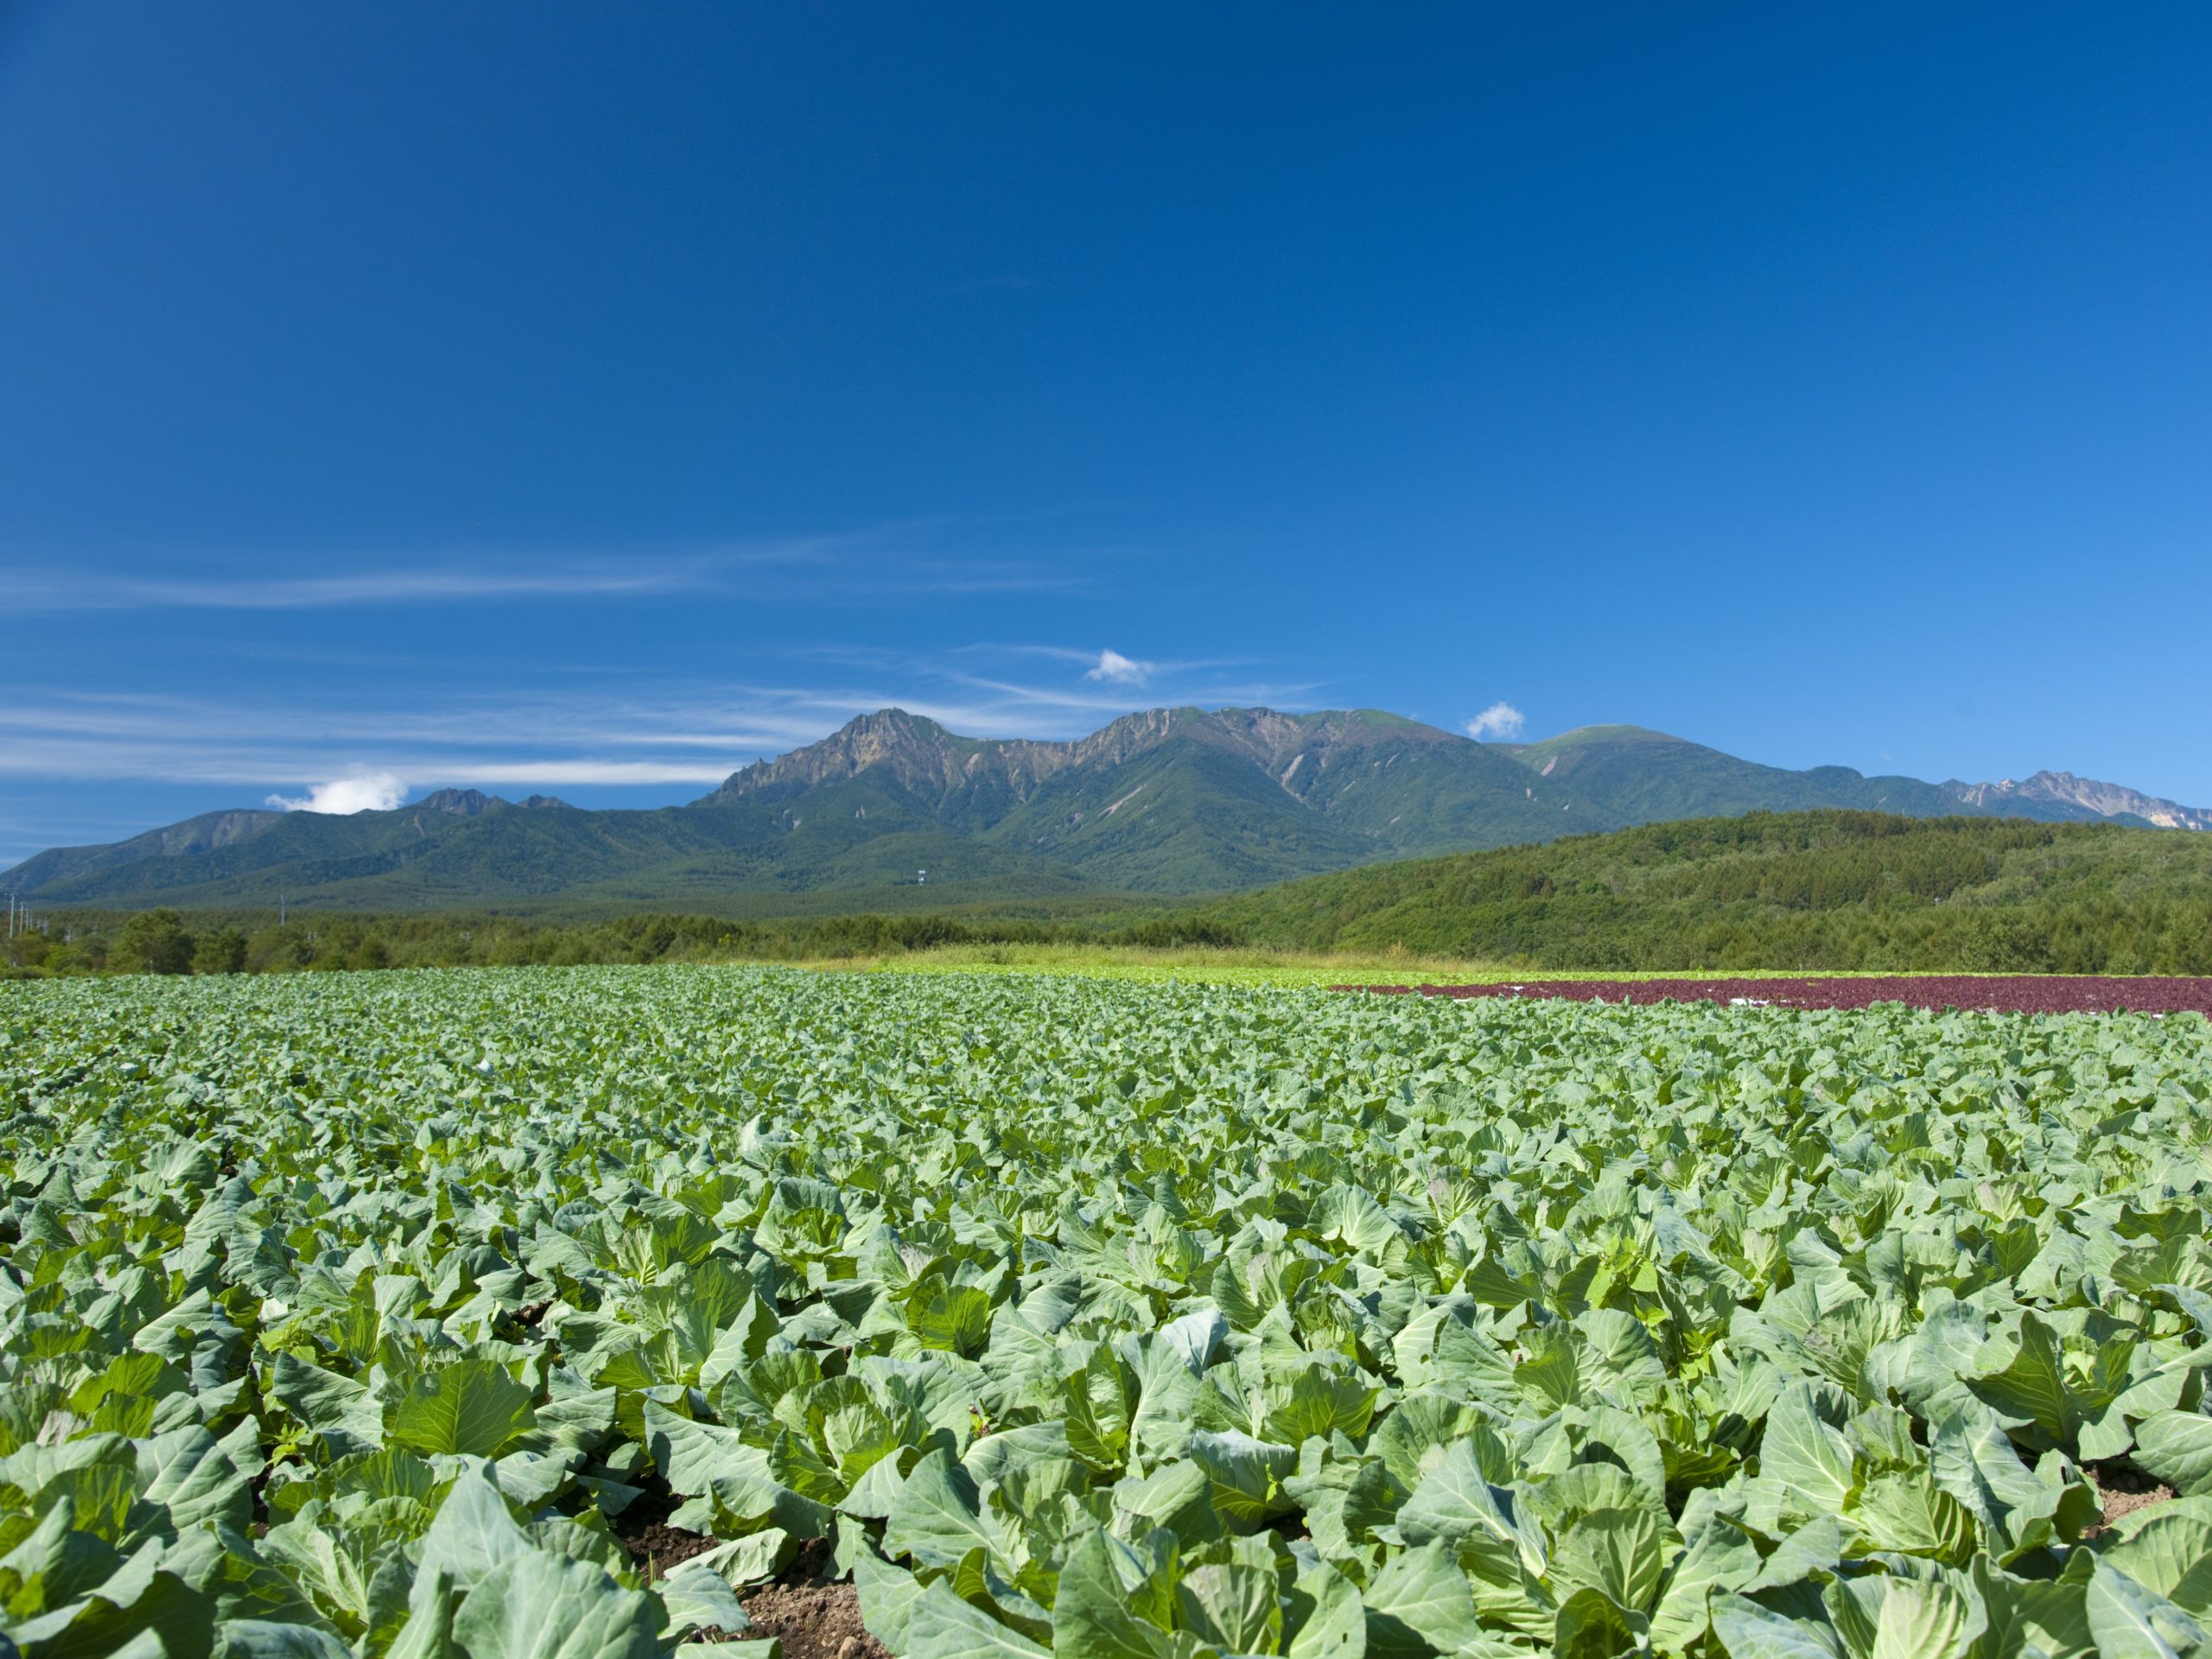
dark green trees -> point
(154, 941)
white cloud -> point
(359, 791)
(1500, 720)
(1117, 670)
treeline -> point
(172, 942)
(1807, 891)
(1811, 890)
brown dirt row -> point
(1995, 994)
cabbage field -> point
(558, 1312)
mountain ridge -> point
(2106, 800)
(1161, 801)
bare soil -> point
(814, 1615)
(2124, 1490)
(659, 1547)
(653, 1545)
(814, 1621)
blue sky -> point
(591, 398)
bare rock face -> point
(922, 755)
(2106, 800)
(213, 829)
(919, 754)
(459, 803)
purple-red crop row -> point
(1995, 994)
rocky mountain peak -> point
(911, 745)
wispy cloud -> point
(1500, 721)
(357, 792)
(975, 577)
(459, 579)
(882, 564)
(1098, 663)
(417, 587)
(606, 773)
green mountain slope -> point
(1643, 777)
(851, 837)
(1246, 796)
(1182, 816)
(1832, 889)
(401, 857)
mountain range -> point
(893, 810)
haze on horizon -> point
(591, 401)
